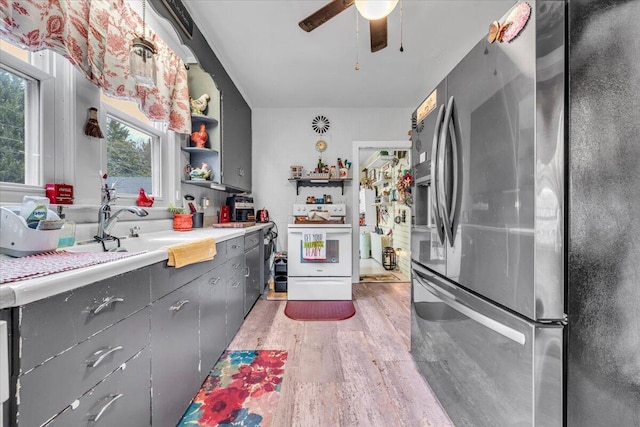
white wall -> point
(283, 137)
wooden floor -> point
(354, 372)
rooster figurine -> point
(200, 137)
(198, 106)
(144, 200)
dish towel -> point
(314, 245)
(191, 252)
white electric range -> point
(319, 254)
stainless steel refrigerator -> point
(505, 324)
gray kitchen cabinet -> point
(52, 325)
(235, 114)
(175, 355)
(122, 399)
(235, 296)
(71, 341)
(72, 345)
(213, 318)
(255, 268)
(52, 386)
(236, 145)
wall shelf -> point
(197, 118)
(207, 184)
(319, 182)
(198, 150)
(381, 182)
(377, 160)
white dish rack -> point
(18, 240)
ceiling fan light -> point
(375, 9)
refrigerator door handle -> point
(448, 210)
(450, 300)
(434, 175)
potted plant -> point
(182, 220)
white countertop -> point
(27, 291)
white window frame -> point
(38, 122)
(159, 139)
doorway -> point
(380, 217)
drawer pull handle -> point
(106, 303)
(235, 285)
(178, 306)
(110, 401)
(247, 271)
(236, 265)
(235, 246)
(101, 355)
(214, 281)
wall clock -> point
(321, 146)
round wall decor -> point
(320, 124)
(321, 146)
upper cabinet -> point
(236, 145)
(235, 113)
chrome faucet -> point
(106, 220)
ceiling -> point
(274, 63)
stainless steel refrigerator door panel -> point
(603, 272)
(487, 366)
(494, 119)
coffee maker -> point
(241, 208)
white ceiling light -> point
(375, 9)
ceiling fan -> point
(377, 27)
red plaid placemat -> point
(29, 267)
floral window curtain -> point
(95, 35)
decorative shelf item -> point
(319, 182)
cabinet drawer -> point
(52, 325)
(235, 266)
(235, 247)
(122, 399)
(251, 240)
(166, 279)
(52, 386)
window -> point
(20, 123)
(133, 150)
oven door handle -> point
(324, 230)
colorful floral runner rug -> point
(242, 389)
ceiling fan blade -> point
(323, 14)
(378, 32)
